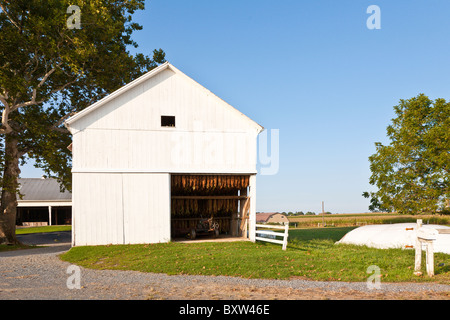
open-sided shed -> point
(156, 156)
(42, 202)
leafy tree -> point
(375, 204)
(412, 173)
(49, 71)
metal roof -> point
(265, 216)
(40, 189)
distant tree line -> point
(301, 213)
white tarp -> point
(386, 236)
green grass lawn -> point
(42, 229)
(311, 254)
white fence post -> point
(274, 234)
(430, 258)
(424, 236)
(286, 235)
(418, 248)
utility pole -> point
(323, 215)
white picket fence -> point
(271, 236)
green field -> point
(311, 254)
(346, 220)
(43, 229)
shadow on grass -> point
(17, 250)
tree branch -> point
(33, 98)
(9, 17)
(56, 127)
(6, 128)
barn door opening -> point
(209, 205)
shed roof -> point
(265, 216)
(40, 189)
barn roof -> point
(39, 189)
(142, 79)
(264, 216)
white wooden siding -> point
(126, 133)
(120, 208)
(146, 208)
(252, 213)
(167, 93)
(158, 151)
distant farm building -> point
(154, 158)
(41, 202)
(271, 217)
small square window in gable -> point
(167, 121)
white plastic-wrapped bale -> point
(399, 235)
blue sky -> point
(313, 70)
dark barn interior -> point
(221, 198)
(59, 215)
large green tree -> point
(53, 63)
(412, 173)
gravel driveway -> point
(39, 274)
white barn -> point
(157, 155)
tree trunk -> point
(8, 203)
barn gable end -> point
(206, 134)
(164, 90)
(129, 147)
